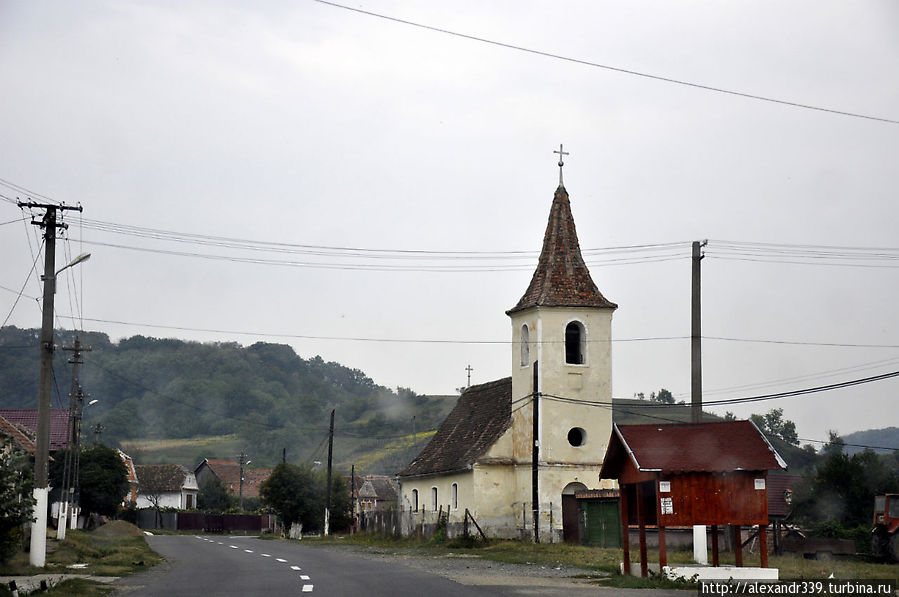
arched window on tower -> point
(575, 343)
(525, 346)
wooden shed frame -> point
(687, 474)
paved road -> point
(223, 566)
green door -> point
(602, 520)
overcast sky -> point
(300, 123)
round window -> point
(577, 437)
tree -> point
(16, 502)
(290, 492)
(664, 396)
(103, 480)
(843, 487)
(773, 424)
(213, 496)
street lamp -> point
(38, 554)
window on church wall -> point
(575, 343)
(455, 496)
(434, 499)
(415, 500)
(525, 346)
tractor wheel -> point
(894, 547)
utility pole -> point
(328, 490)
(700, 545)
(696, 336)
(70, 476)
(242, 460)
(98, 429)
(353, 497)
(38, 554)
(535, 459)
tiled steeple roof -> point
(561, 278)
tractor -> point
(885, 534)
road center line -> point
(295, 568)
(280, 560)
(307, 588)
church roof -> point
(561, 278)
(480, 417)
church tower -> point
(561, 338)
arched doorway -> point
(570, 522)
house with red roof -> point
(228, 472)
(514, 451)
(27, 418)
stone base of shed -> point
(708, 572)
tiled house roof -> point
(561, 278)
(690, 447)
(480, 417)
(59, 424)
(228, 473)
(20, 438)
(163, 477)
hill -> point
(886, 440)
(264, 395)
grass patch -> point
(119, 550)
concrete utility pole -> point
(700, 545)
(76, 400)
(242, 460)
(696, 336)
(535, 459)
(38, 554)
(328, 489)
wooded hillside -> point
(265, 394)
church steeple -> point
(561, 278)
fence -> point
(198, 521)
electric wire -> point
(20, 293)
(625, 71)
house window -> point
(190, 501)
(415, 500)
(575, 343)
(434, 499)
(525, 346)
(455, 497)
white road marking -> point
(307, 588)
(295, 568)
(304, 577)
(280, 560)
(248, 550)
(233, 546)
(265, 555)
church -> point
(542, 432)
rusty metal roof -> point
(480, 417)
(561, 278)
(690, 447)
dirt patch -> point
(118, 528)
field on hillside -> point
(188, 452)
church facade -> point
(482, 459)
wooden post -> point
(763, 544)
(715, 545)
(625, 530)
(641, 525)
(738, 545)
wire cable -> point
(610, 68)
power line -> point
(610, 68)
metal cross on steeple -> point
(561, 163)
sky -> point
(374, 188)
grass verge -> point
(115, 549)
